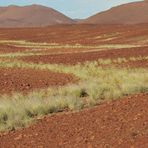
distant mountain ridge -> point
(131, 13)
(40, 16)
(31, 16)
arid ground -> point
(74, 86)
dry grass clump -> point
(19, 110)
(96, 84)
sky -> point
(73, 8)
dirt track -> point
(121, 123)
(24, 80)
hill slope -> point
(131, 13)
(31, 16)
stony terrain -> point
(34, 59)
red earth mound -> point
(120, 123)
(73, 58)
(24, 80)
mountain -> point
(131, 13)
(31, 16)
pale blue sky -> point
(71, 8)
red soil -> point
(10, 49)
(24, 80)
(134, 64)
(73, 58)
(120, 123)
(73, 34)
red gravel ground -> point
(24, 80)
(73, 58)
(76, 34)
(10, 49)
(117, 124)
(73, 34)
(121, 123)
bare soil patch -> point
(11, 49)
(25, 80)
(134, 64)
(73, 34)
(120, 123)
